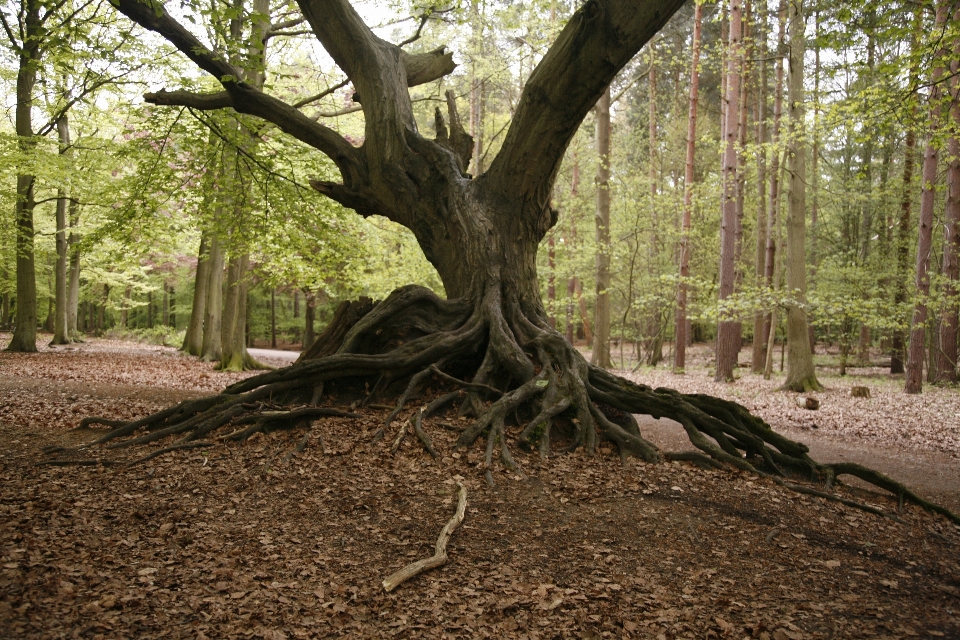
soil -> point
(238, 540)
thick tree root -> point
(439, 557)
(518, 380)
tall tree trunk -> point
(815, 179)
(193, 338)
(680, 350)
(931, 158)
(24, 337)
(60, 335)
(906, 205)
(601, 323)
(773, 249)
(653, 329)
(728, 334)
(800, 371)
(947, 354)
(867, 198)
(760, 117)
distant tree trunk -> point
(680, 350)
(193, 338)
(60, 335)
(309, 313)
(273, 318)
(296, 303)
(772, 257)
(931, 158)
(552, 280)
(866, 218)
(73, 285)
(601, 337)
(906, 204)
(24, 337)
(800, 371)
(165, 306)
(760, 118)
(728, 335)
(125, 311)
(653, 329)
(947, 354)
(149, 310)
(573, 283)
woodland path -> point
(236, 542)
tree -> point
(800, 372)
(931, 157)
(680, 330)
(728, 333)
(481, 235)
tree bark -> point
(947, 354)
(680, 329)
(728, 335)
(213, 308)
(24, 337)
(800, 371)
(931, 158)
(601, 322)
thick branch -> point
(243, 97)
(601, 37)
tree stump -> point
(859, 392)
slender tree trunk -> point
(653, 329)
(760, 117)
(800, 371)
(867, 199)
(728, 335)
(947, 354)
(931, 158)
(24, 337)
(906, 205)
(73, 284)
(309, 313)
(193, 338)
(772, 256)
(601, 336)
(60, 335)
(273, 318)
(296, 303)
(680, 350)
(815, 167)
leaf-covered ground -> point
(234, 541)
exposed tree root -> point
(506, 369)
(439, 557)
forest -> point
(827, 136)
(503, 242)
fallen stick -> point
(439, 557)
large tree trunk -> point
(918, 332)
(680, 329)
(760, 117)
(24, 337)
(601, 318)
(800, 372)
(73, 285)
(728, 332)
(234, 356)
(193, 338)
(947, 354)
(213, 307)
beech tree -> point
(490, 339)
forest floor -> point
(234, 541)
